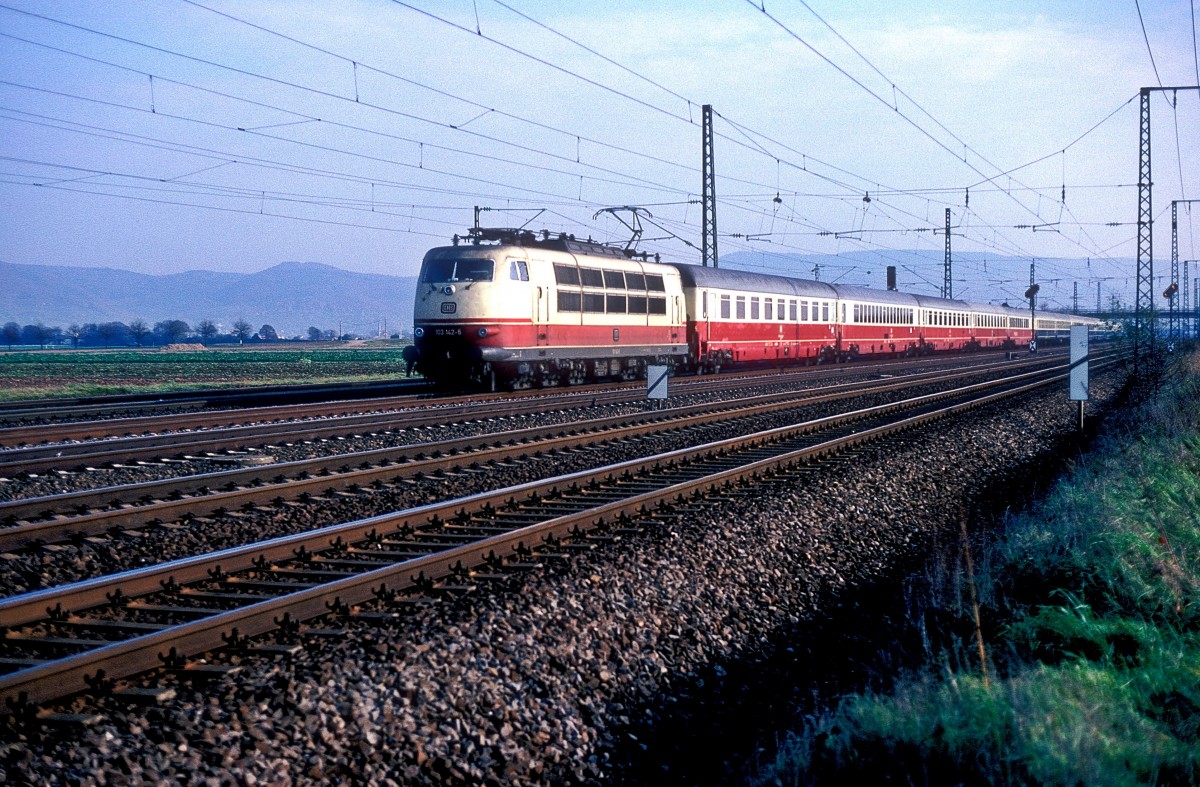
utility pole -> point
(1075, 299)
(1097, 299)
(1143, 307)
(1173, 330)
(1031, 294)
(947, 281)
(708, 191)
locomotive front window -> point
(615, 304)
(658, 305)
(635, 281)
(654, 283)
(637, 304)
(593, 302)
(458, 270)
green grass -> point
(65, 373)
(1095, 665)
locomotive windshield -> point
(466, 269)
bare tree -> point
(107, 331)
(243, 331)
(171, 331)
(139, 330)
(207, 330)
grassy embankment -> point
(70, 373)
(1091, 628)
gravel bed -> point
(32, 570)
(548, 680)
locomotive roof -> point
(723, 278)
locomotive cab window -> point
(457, 270)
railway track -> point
(91, 635)
(47, 426)
(107, 443)
(36, 521)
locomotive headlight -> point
(449, 289)
(418, 332)
(483, 332)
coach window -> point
(569, 301)
(704, 305)
(858, 313)
(754, 308)
(591, 277)
(825, 311)
(614, 280)
(593, 302)
(803, 311)
(566, 274)
(615, 304)
(724, 307)
(741, 307)
(792, 311)
(768, 308)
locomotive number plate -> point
(447, 331)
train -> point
(510, 308)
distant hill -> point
(290, 296)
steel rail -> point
(173, 498)
(69, 675)
(41, 458)
(39, 434)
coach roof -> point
(725, 279)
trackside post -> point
(1078, 385)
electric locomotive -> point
(518, 309)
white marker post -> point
(656, 382)
(1078, 386)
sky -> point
(172, 135)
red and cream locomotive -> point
(508, 307)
